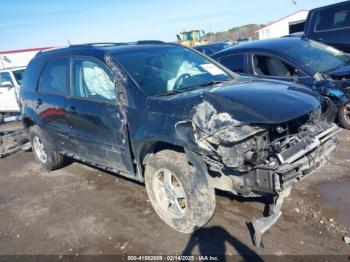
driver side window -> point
(272, 66)
(91, 80)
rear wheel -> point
(183, 199)
(344, 116)
(43, 149)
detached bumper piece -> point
(297, 161)
(261, 225)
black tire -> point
(344, 116)
(2, 118)
(54, 160)
(199, 205)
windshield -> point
(169, 68)
(187, 36)
(18, 74)
(319, 57)
(197, 35)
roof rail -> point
(149, 42)
(50, 49)
(105, 44)
(102, 44)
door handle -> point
(72, 108)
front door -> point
(273, 67)
(98, 130)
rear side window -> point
(233, 62)
(54, 77)
(31, 76)
(333, 18)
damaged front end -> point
(254, 160)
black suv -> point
(168, 116)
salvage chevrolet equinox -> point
(181, 123)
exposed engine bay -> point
(261, 159)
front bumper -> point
(273, 179)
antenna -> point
(69, 42)
(295, 2)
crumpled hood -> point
(247, 100)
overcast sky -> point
(29, 23)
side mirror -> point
(6, 84)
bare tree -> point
(235, 33)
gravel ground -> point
(80, 210)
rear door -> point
(331, 25)
(50, 100)
(97, 126)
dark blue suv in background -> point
(176, 120)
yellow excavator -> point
(192, 38)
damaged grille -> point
(310, 137)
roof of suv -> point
(101, 48)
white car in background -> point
(10, 82)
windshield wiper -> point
(210, 83)
(172, 92)
(178, 91)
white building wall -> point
(15, 59)
(281, 27)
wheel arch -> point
(151, 147)
(30, 118)
(27, 122)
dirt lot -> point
(83, 210)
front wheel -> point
(183, 199)
(344, 116)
